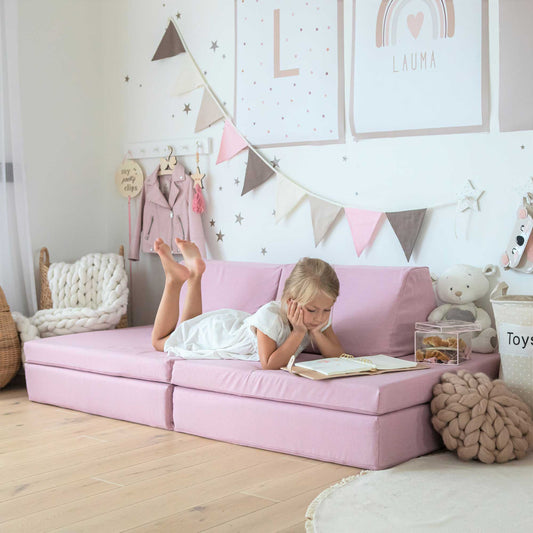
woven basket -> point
(45, 298)
(9, 344)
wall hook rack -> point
(180, 147)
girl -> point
(272, 335)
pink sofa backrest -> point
(235, 285)
(375, 312)
(378, 306)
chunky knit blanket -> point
(90, 294)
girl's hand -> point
(295, 314)
(318, 329)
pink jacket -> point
(158, 217)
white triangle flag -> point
(323, 214)
(188, 78)
(288, 196)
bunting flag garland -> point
(209, 113)
(189, 77)
(406, 225)
(231, 144)
(364, 226)
(288, 196)
(170, 44)
(323, 214)
(257, 172)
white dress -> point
(230, 334)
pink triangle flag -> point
(231, 144)
(364, 226)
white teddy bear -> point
(459, 287)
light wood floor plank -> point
(150, 497)
(289, 486)
(201, 517)
(101, 449)
(139, 459)
(288, 513)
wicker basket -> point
(45, 298)
(9, 344)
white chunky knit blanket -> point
(90, 294)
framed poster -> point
(289, 71)
(419, 67)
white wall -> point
(82, 113)
(60, 53)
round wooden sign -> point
(129, 178)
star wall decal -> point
(212, 222)
(273, 212)
(275, 162)
(220, 236)
(178, 15)
(469, 198)
(236, 181)
(220, 188)
(263, 251)
(126, 79)
(187, 108)
(214, 46)
(239, 218)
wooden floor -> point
(69, 471)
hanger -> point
(166, 165)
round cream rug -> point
(434, 493)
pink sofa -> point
(371, 422)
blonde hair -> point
(308, 278)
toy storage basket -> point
(9, 344)
(514, 324)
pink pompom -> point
(198, 202)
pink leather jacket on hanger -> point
(159, 217)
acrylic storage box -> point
(448, 342)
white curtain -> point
(16, 258)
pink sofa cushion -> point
(124, 352)
(373, 395)
(378, 306)
(235, 285)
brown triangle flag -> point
(257, 172)
(170, 44)
(406, 225)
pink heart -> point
(414, 23)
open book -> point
(348, 365)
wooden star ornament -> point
(198, 177)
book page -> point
(335, 365)
(385, 362)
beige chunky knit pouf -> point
(481, 419)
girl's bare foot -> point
(173, 271)
(192, 257)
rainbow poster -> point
(289, 71)
(419, 67)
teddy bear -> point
(459, 287)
